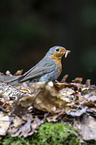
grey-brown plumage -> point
(48, 69)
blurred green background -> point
(28, 28)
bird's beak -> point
(67, 52)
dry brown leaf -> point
(64, 78)
(86, 127)
(77, 80)
(19, 72)
(4, 123)
(88, 82)
(8, 73)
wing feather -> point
(8, 79)
(46, 65)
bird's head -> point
(58, 51)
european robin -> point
(48, 69)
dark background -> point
(28, 28)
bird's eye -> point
(57, 49)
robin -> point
(48, 69)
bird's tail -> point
(9, 79)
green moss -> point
(14, 141)
(55, 134)
(48, 134)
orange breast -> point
(58, 63)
